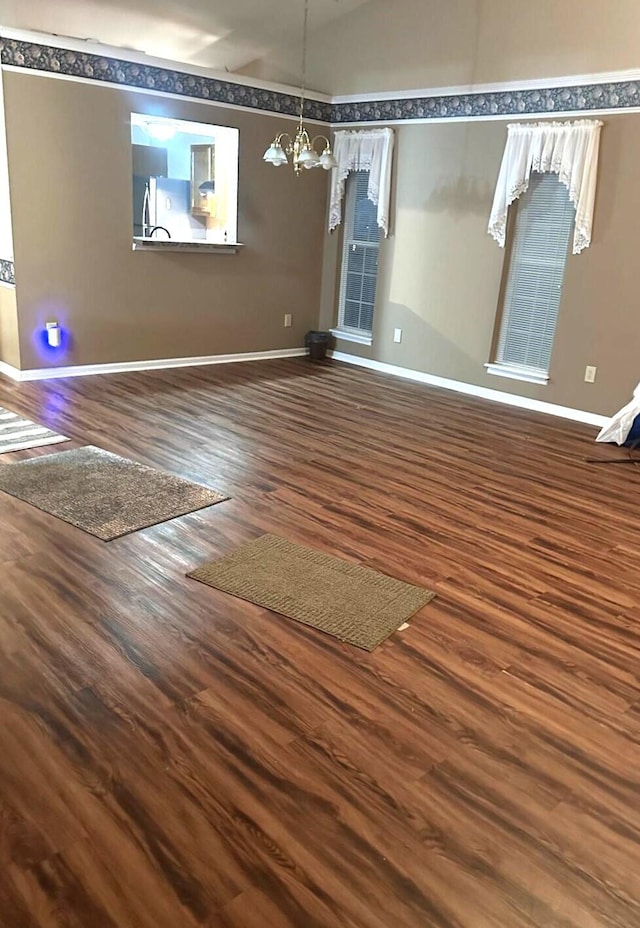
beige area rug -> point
(17, 433)
(102, 493)
(355, 604)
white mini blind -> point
(361, 244)
(543, 226)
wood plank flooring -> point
(171, 757)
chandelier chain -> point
(303, 88)
(301, 146)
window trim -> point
(359, 336)
(528, 374)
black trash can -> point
(317, 343)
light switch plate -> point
(397, 336)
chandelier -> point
(301, 146)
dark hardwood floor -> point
(173, 757)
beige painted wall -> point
(9, 339)
(410, 44)
(440, 271)
(70, 168)
(519, 40)
(6, 237)
(404, 44)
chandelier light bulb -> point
(308, 157)
(327, 161)
(275, 154)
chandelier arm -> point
(281, 136)
(321, 138)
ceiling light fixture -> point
(302, 145)
(161, 131)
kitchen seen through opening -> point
(185, 180)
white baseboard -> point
(52, 373)
(496, 396)
(9, 371)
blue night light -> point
(54, 334)
(51, 340)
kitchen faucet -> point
(155, 229)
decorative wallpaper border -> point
(7, 272)
(618, 95)
(612, 95)
(150, 77)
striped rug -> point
(17, 433)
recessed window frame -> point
(356, 184)
(514, 285)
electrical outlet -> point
(397, 336)
(287, 320)
(590, 374)
(167, 203)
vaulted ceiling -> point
(221, 34)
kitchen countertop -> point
(167, 244)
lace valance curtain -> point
(568, 149)
(363, 150)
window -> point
(533, 285)
(359, 272)
(185, 180)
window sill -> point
(518, 373)
(153, 244)
(360, 338)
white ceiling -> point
(221, 34)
